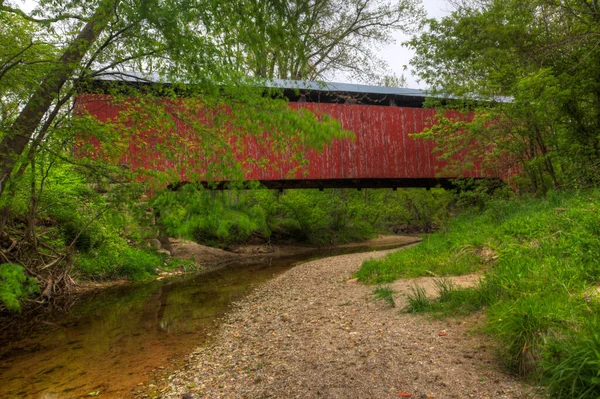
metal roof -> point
(335, 87)
(345, 87)
(368, 93)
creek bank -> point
(207, 259)
(190, 250)
(315, 332)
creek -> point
(112, 340)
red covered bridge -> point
(382, 154)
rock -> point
(154, 243)
(184, 249)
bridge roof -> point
(307, 90)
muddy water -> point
(111, 341)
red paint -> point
(382, 148)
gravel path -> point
(314, 333)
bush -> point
(70, 230)
(320, 218)
(15, 286)
(116, 259)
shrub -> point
(116, 259)
(15, 285)
(70, 230)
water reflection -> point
(111, 340)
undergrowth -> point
(318, 218)
(539, 258)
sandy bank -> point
(310, 333)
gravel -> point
(314, 332)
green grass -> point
(450, 300)
(540, 258)
(576, 374)
(418, 302)
(449, 254)
(385, 294)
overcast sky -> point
(397, 56)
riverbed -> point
(111, 341)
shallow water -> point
(112, 340)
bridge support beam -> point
(359, 184)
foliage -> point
(20, 46)
(119, 261)
(528, 71)
(307, 39)
(95, 229)
(479, 193)
(539, 260)
(15, 285)
(48, 54)
(319, 218)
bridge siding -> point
(382, 148)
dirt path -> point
(310, 333)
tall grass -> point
(540, 258)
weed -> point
(385, 294)
(445, 289)
(417, 300)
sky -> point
(397, 56)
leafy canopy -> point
(530, 71)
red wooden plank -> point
(382, 147)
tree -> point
(47, 53)
(533, 68)
(328, 37)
